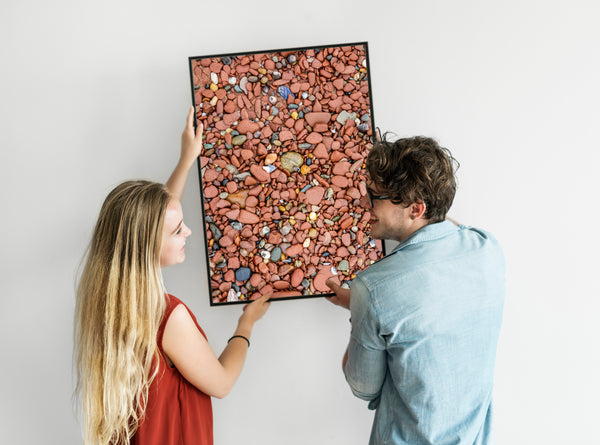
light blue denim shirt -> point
(425, 324)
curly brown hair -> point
(412, 170)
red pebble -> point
(322, 276)
(314, 195)
(346, 239)
(297, 277)
(281, 285)
(259, 173)
(294, 250)
(211, 191)
(248, 218)
(314, 138)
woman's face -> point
(175, 233)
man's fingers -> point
(333, 285)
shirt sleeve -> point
(366, 365)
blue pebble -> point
(243, 274)
(285, 92)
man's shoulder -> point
(385, 273)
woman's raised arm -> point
(191, 146)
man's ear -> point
(417, 210)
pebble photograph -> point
(282, 170)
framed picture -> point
(282, 175)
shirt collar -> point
(428, 233)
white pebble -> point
(232, 295)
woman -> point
(146, 372)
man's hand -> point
(341, 297)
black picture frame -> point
(278, 123)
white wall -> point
(92, 93)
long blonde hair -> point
(120, 304)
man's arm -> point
(365, 361)
(191, 146)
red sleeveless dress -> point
(177, 412)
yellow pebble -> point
(305, 169)
(312, 233)
(211, 242)
(270, 158)
(283, 257)
(214, 87)
(282, 208)
(262, 71)
(294, 115)
(312, 216)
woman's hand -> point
(191, 147)
(255, 310)
(191, 141)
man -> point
(426, 318)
